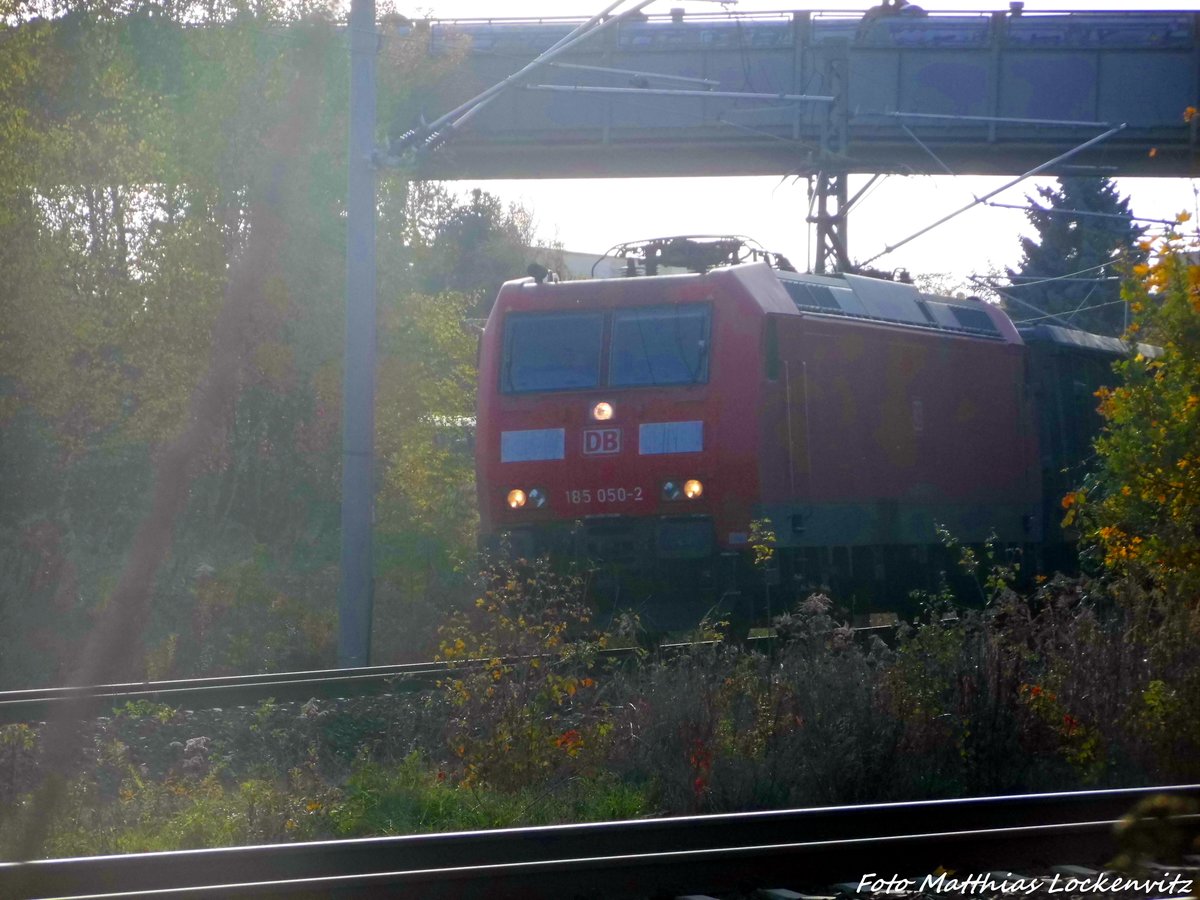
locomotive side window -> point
(551, 352)
(659, 345)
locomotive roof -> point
(1043, 333)
(859, 297)
(844, 296)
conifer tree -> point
(1084, 254)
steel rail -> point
(84, 702)
(130, 687)
(38, 704)
(629, 859)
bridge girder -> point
(989, 94)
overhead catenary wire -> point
(657, 76)
(1082, 212)
(673, 92)
(978, 200)
(1042, 314)
(1104, 280)
(998, 120)
(1081, 309)
(432, 134)
(981, 282)
(1066, 276)
(864, 191)
(471, 108)
(1082, 305)
(920, 143)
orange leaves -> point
(520, 711)
(570, 742)
(1146, 515)
(1079, 744)
(1035, 692)
(1071, 503)
(700, 759)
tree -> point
(1143, 509)
(1081, 252)
(133, 151)
(466, 245)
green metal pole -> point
(358, 380)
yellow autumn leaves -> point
(1142, 508)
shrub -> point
(525, 703)
(1143, 506)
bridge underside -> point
(1146, 153)
(799, 93)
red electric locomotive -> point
(655, 418)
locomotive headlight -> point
(602, 411)
(693, 488)
(517, 498)
(671, 490)
(537, 498)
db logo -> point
(601, 440)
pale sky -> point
(592, 215)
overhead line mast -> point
(356, 590)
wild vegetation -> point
(1080, 684)
(140, 169)
(172, 262)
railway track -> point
(42, 704)
(765, 854)
(82, 702)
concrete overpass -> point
(978, 94)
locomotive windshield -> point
(651, 346)
(552, 352)
(659, 346)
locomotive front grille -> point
(629, 540)
(614, 540)
(691, 538)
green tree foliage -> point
(469, 246)
(135, 150)
(1077, 249)
(1144, 508)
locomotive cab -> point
(616, 417)
(659, 417)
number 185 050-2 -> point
(605, 495)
